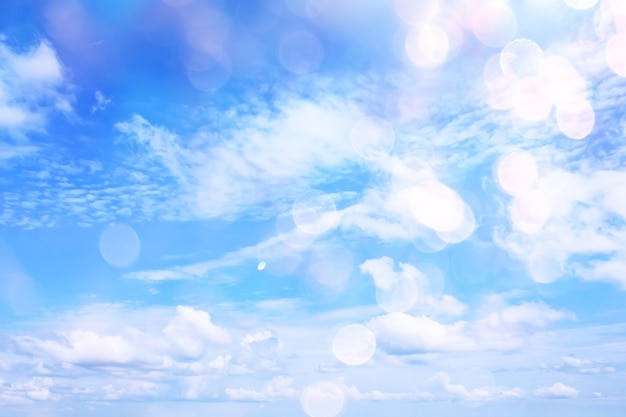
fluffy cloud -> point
(584, 232)
(31, 86)
(505, 329)
(191, 329)
(400, 333)
(557, 391)
(185, 337)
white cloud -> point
(585, 234)
(400, 333)
(508, 328)
(191, 329)
(269, 156)
(583, 366)
(476, 396)
(186, 336)
(446, 305)
(277, 388)
(353, 393)
(129, 389)
(557, 391)
(102, 102)
(384, 275)
(31, 87)
(35, 389)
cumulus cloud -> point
(191, 329)
(557, 391)
(185, 337)
(400, 333)
(505, 329)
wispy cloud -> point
(102, 102)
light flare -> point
(576, 119)
(322, 399)
(416, 12)
(119, 245)
(436, 206)
(354, 344)
(494, 24)
(517, 173)
(301, 52)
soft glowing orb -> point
(581, 4)
(301, 52)
(322, 399)
(463, 230)
(331, 267)
(289, 232)
(576, 119)
(436, 206)
(212, 78)
(416, 12)
(530, 100)
(427, 46)
(547, 264)
(517, 172)
(561, 81)
(372, 138)
(119, 245)
(315, 213)
(354, 344)
(261, 266)
(616, 54)
(434, 43)
(520, 58)
(529, 213)
(494, 24)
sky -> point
(312, 208)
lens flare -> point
(354, 344)
(517, 173)
(119, 245)
(576, 119)
(494, 24)
(322, 399)
(301, 52)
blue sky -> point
(306, 207)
